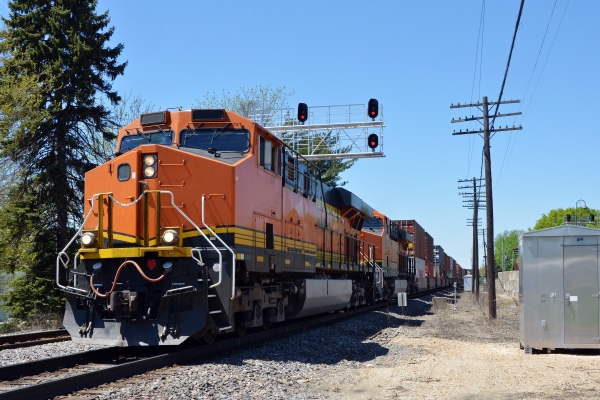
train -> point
(205, 223)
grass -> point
(470, 321)
(37, 322)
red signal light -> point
(302, 112)
(373, 108)
(373, 141)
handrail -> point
(59, 258)
(220, 261)
(64, 259)
(201, 233)
(199, 258)
(379, 269)
(371, 261)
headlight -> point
(149, 172)
(150, 161)
(88, 239)
(170, 237)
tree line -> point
(59, 117)
(509, 240)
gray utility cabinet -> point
(559, 288)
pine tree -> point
(57, 53)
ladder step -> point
(223, 249)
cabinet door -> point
(581, 294)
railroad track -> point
(33, 339)
(63, 375)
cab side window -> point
(268, 155)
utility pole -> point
(475, 266)
(503, 267)
(485, 264)
(475, 205)
(484, 107)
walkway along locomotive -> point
(206, 223)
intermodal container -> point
(418, 233)
(428, 248)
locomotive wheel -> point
(268, 313)
(266, 325)
(209, 336)
(240, 330)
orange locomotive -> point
(396, 251)
(206, 223)
(391, 252)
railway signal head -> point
(302, 112)
(373, 141)
(373, 108)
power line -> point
(546, 61)
(504, 79)
(478, 57)
(539, 52)
(512, 46)
(526, 91)
(508, 146)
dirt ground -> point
(462, 354)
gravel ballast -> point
(421, 354)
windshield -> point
(222, 140)
(373, 223)
(130, 142)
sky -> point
(417, 58)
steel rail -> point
(33, 338)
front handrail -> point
(64, 259)
(220, 264)
(60, 257)
(201, 233)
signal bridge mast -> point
(328, 132)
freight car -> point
(206, 223)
